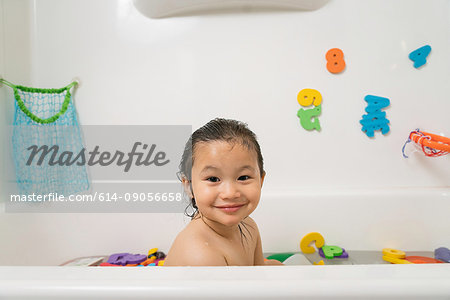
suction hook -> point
(77, 80)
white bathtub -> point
(271, 282)
(406, 219)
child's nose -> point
(229, 191)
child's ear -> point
(187, 187)
(262, 178)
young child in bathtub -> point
(223, 179)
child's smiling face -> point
(226, 181)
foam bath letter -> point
(422, 260)
(396, 260)
(394, 253)
(419, 56)
(306, 97)
(375, 119)
(306, 116)
(394, 256)
(335, 60)
(331, 251)
(308, 239)
(126, 258)
(152, 252)
(442, 253)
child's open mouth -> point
(230, 208)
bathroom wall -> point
(247, 66)
(2, 95)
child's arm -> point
(258, 256)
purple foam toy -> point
(126, 258)
(343, 255)
(443, 254)
(136, 258)
(117, 258)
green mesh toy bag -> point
(44, 134)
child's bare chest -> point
(238, 253)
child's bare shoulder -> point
(251, 226)
(193, 248)
(250, 221)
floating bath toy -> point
(330, 252)
(126, 259)
(335, 60)
(443, 254)
(281, 257)
(320, 263)
(394, 256)
(422, 260)
(396, 260)
(105, 264)
(393, 253)
(419, 56)
(315, 237)
(148, 261)
(399, 257)
(152, 251)
(375, 119)
(432, 145)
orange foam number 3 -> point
(335, 58)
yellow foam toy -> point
(395, 256)
(394, 253)
(319, 263)
(152, 251)
(306, 97)
(308, 239)
(393, 260)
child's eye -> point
(213, 179)
(244, 177)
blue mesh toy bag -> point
(46, 139)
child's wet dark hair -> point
(219, 129)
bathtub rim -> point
(323, 282)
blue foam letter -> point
(419, 56)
